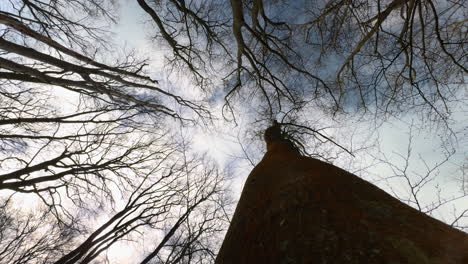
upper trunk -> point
(296, 209)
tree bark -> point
(296, 209)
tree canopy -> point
(96, 139)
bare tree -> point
(182, 200)
(86, 131)
(381, 57)
(84, 134)
(412, 178)
(43, 43)
(30, 237)
(193, 234)
(305, 61)
(167, 205)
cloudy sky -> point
(406, 155)
(429, 145)
(429, 155)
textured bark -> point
(296, 209)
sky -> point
(134, 30)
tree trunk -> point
(296, 209)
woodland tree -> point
(87, 130)
(82, 140)
(384, 57)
